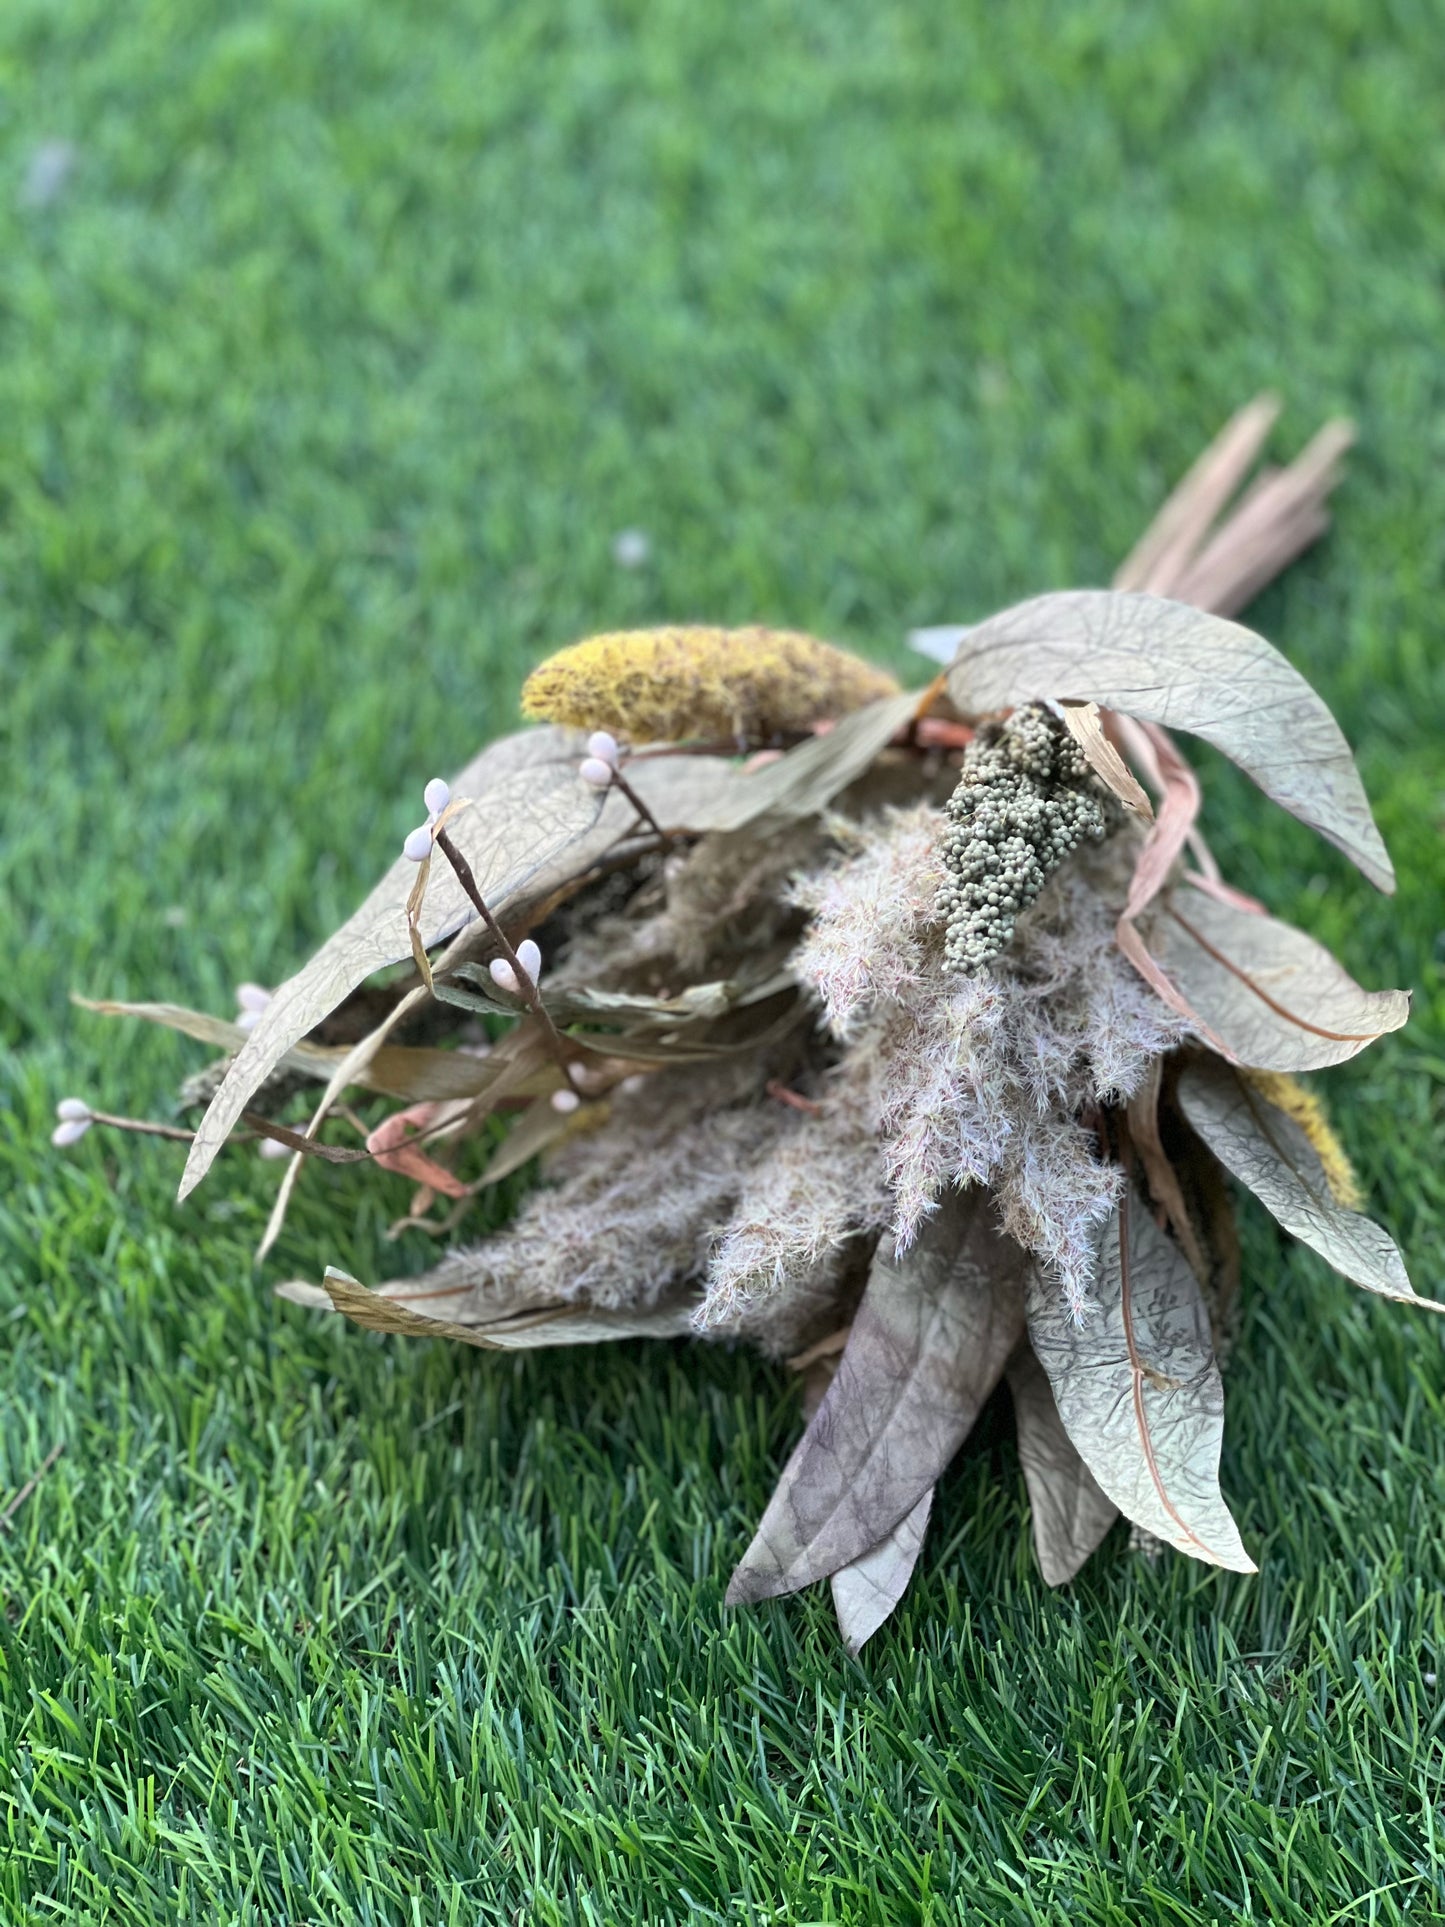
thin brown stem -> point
(637, 803)
(526, 984)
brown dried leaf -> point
(1262, 992)
(1272, 1157)
(1138, 1390)
(929, 1341)
(1070, 1514)
(865, 1592)
(1084, 722)
(527, 1330)
(1167, 663)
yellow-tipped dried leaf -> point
(1270, 1154)
(520, 1330)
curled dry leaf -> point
(531, 1329)
(1272, 1157)
(1138, 1389)
(929, 1342)
(1262, 992)
(1167, 663)
(1070, 1514)
(1084, 722)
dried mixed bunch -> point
(907, 1036)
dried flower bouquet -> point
(899, 1033)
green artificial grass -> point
(353, 336)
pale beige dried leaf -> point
(866, 1591)
(1138, 1390)
(1070, 1514)
(1272, 1157)
(1262, 992)
(530, 810)
(400, 1070)
(801, 783)
(1167, 663)
(539, 1127)
(1084, 722)
(929, 1341)
(529, 1330)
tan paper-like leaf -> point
(1167, 663)
(1070, 1514)
(1138, 1389)
(399, 1070)
(929, 1341)
(528, 1330)
(529, 808)
(1084, 722)
(1263, 992)
(865, 1592)
(1272, 1157)
(801, 783)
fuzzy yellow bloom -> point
(1287, 1094)
(689, 683)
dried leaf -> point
(1262, 992)
(1084, 722)
(539, 1127)
(865, 1592)
(399, 1070)
(1272, 1157)
(530, 807)
(1138, 1389)
(1166, 663)
(529, 1330)
(1180, 800)
(1070, 1514)
(929, 1341)
(806, 780)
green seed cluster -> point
(1025, 799)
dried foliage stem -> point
(640, 806)
(526, 984)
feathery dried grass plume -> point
(917, 1049)
(696, 683)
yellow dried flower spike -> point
(1287, 1094)
(696, 683)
